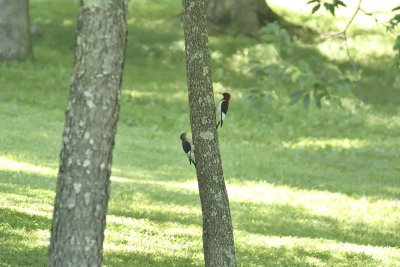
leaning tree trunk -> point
(79, 218)
(245, 16)
(218, 241)
(15, 38)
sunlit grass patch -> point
(311, 143)
(168, 241)
(298, 251)
(16, 166)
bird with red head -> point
(222, 108)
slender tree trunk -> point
(218, 241)
(79, 218)
(15, 38)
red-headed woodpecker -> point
(222, 108)
(188, 148)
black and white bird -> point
(222, 108)
(188, 147)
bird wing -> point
(186, 146)
(224, 107)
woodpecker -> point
(188, 148)
(222, 108)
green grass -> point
(307, 187)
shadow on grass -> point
(298, 256)
(16, 248)
(21, 182)
(265, 219)
(145, 259)
(355, 172)
(286, 220)
(161, 203)
(14, 251)
(20, 220)
(154, 202)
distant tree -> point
(82, 193)
(218, 240)
(15, 38)
(246, 16)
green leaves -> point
(296, 73)
(395, 20)
(396, 45)
(306, 101)
(296, 96)
(317, 95)
(315, 8)
(339, 3)
(393, 23)
(329, 5)
(330, 8)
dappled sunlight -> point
(162, 201)
(181, 197)
(383, 7)
(188, 185)
(345, 211)
(37, 238)
(369, 42)
(132, 235)
(380, 120)
(314, 143)
(335, 49)
(68, 22)
(151, 24)
(156, 94)
(328, 245)
(162, 219)
(37, 202)
(24, 239)
(175, 240)
(8, 164)
(143, 236)
(239, 62)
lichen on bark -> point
(218, 241)
(83, 180)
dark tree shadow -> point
(15, 247)
(145, 259)
(286, 220)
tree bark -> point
(218, 240)
(15, 38)
(79, 217)
(245, 16)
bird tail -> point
(218, 125)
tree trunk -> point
(245, 16)
(15, 38)
(218, 241)
(79, 217)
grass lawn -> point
(316, 187)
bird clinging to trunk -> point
(222, 108)
(188, 148)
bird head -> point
(183, 136)
(226, 96)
